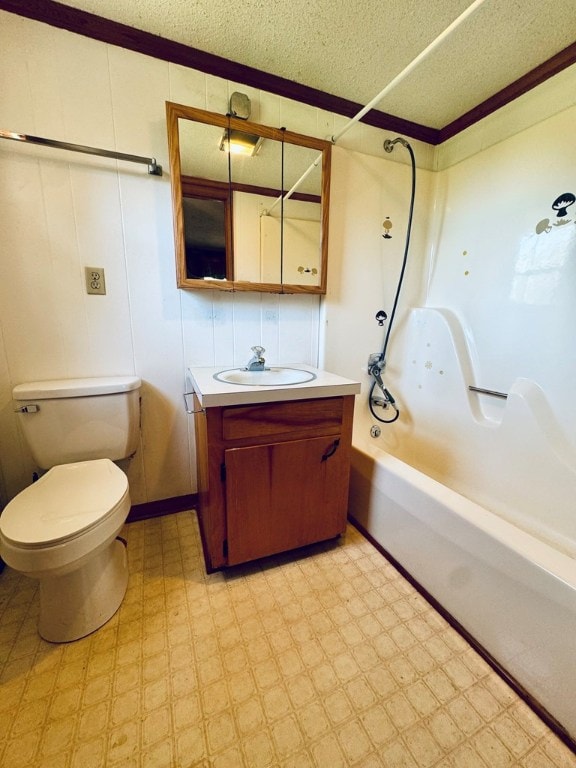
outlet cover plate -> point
(95, 280)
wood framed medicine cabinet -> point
(247, 223)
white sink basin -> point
(214, 390)
(271, 377)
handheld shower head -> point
(389, 143)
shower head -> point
(389, 143)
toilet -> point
(63, 529)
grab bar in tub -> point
(492, 392)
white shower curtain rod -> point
(392, 84)
(407, 70)
(153, 168)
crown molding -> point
(98, 28)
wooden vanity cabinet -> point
(272, 476)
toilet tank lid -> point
(56, 388)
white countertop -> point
(212, 392)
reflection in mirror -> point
(207, 226)
(246, 222)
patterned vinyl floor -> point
(325, 659)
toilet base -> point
(77, 603)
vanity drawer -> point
(322, 416)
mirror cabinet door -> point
(247, 222)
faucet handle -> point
(258, 351)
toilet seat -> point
(69, 500)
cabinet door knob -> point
(332, 450)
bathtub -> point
(512, 592)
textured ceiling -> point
(352, 49)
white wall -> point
(364, 266)
(61, 211)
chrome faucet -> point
(257, 362)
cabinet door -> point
(284, 495)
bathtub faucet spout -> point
(385, 401)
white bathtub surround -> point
(513, 457)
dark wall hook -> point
(381, 316)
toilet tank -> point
(66, 420)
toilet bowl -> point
(63, 531)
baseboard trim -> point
(162, 507)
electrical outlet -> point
(95, 281)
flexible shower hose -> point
(388, 399)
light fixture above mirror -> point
(235, 141)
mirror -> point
(247, 222)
